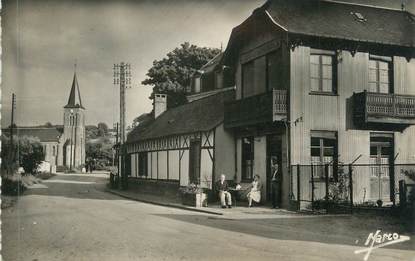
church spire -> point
(74, 100)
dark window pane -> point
(315, 142)
(315, 152)
(329, 151)
(247, 78)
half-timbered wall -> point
(168, 158)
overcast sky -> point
(43, 39)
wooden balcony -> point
(380, 108)
(258, 109)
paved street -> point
(71, 217)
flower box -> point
(194, 199)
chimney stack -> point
(160, 104)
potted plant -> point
(193, 195)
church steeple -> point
(74, 100)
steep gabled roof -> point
(74, 100)
(200, 115)
(45, 134)
(344, 21)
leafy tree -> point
(31, 153)
(172, 75)
(91, 132)
(30, 150)
(100, 149)
(102, 129)
(48, 124)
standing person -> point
(224, 195)
(255, 193)
(275, 183)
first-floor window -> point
(142, 164)
(247, 158)
(380, 75)
(323, 73)
(324, 153)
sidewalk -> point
(159, 200)
(238, 212)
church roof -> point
(200, 115)
(74, 100)
(45, 134)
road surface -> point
(71, 217)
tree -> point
(91, 132)
(48, 124)
(31, 153)
(172, 75)
(102, 129)
(30, 150)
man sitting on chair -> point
(224, 195)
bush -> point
(12, 187)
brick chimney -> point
(160, 104)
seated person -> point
(255, 192)
(224, 195)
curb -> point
(163, 204)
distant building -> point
(64, 145)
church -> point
(63, 145)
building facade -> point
(312, 92)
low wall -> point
(155, 187)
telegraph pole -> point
(122, 78)
(12, 153)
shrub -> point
(11, 187)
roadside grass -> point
(13, 186)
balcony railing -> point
(384, 108)
(263, 108)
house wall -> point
(168, 158)
(335, 112)
(224, 153)
(49, 156)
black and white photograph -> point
(207, 130)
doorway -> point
(274, 153)
(381, 167)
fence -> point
(344, 187)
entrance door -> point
(381, 169)
(194, 162)
(273, 152)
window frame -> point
(277, 62)
(252, 81)
(334, 68)
(323, 136)
(389, 62)
(143, 158)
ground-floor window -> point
(324, 152)
(142, 164)
(247, 158)
(194, 162)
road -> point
(72, 217)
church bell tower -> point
(74, 128)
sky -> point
(43, 39)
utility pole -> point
(122, 77)
(12, 153)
